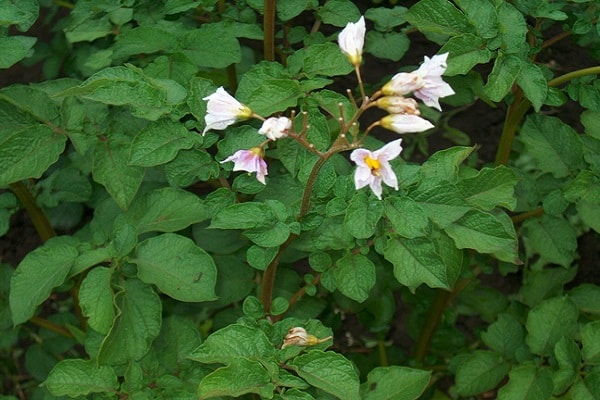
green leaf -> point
(339, 12)
(241, 376)
(199, 46)
(482, 15)
(78, 377)
(444, 164)
(587, 298)
(505, 336)
(527, 382)
(178, 337)
(466, 51)
(22, 13)
(480, 371)
(418, 261)
(328, 371)
(443, 203)
(159, 143)
(110, 169)
(14, 49)
(545, 283)
(362, 215)
(553, 238)
(143, 40)
(177, 267)
(507, 68)
(512, 28)
(439, 17)
(29, 152)
(548, 322)
(234, 279)
(355, 276)
(96, 299)
(233, 342)
(243, 216)
(387, 45)
(165, 210)
(325, 59)
(386, 18)
(41, 270)
(568, 357)
(490, 188)
(269, 236)
(395, 383)
(289, 9)
(406, 217)
(268, 88)
(554, 145)
(484, 232)
(534, 84)
(137, 324)
(590, 338)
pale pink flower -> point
(298, 336)
(250, 161)
(425, 83)
(275, 128)
(398, 105)
(373, 167)
(352, 39)
(223, 110)
(405, 123)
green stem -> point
(435, 313)
(574, 74)
(51, 326)
(383, 358)
(268, 280)
(432, 320)
(269, 29)
(37, 215)
(519, 107)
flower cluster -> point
(373, 167)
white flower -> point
(250, 161)
(275, 128)
(352, 39)
(398, 105)
(373, 167)
(425, 83)
(223, 110)
(405, 123)
(298, 336)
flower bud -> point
(298, 336)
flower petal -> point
(352, 39)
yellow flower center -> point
(374, 165)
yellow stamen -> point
(374, 165)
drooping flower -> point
(405, 123)
(250, 161)
(398, 105)
(275, 128)
(223, 110)
(298, 336)
(373, 167)
(352, 39)
(425, 83)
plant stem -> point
(538, 212)
(268, 281)
(383, 358)
(51, 326)
(435, 313)
(269, 30)
(37, 215)
(519, 107)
